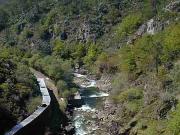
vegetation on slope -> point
(146, 72)
(17, 87)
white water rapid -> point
(83, 121)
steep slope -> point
(135, 43)
(17, 87)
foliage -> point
(24, 76)
(174, 122)
(171, 48)
(59, 48)
(107, 63)
(174, 77)
(30, 35)
(127, 62)
(148, 52)
(58, 69)
(119, 83)
(17, 87)
(50, 18)
(79, 52)
(33, 104)
(128, 25)
(91, 54)
(3, 19)
(62, 86)
(130, 95)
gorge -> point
(112, 67)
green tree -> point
(79, 53)
(62, 86)
(171, 48)
(128, 25)
(91, 55)
(61, 49)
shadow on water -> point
(58, 118)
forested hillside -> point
(19, 90)
(137, 42)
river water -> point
(84, 118)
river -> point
(84, 117)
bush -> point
(129, 95)
(62, 86)
(66, 93)
(91, 55)
(33, 104)
(119, 83)
(174, 77)
(150, 52)
(112, 16)
(173, 127)
(3, 19)
(61, 49)
(107, 63)
(171, 43)
(79, 51)
(128, 25)
(28, 33)
(127, 60)
(43, 33)
(64, 89)
(23, 75)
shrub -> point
(43, 33)
(128, 25)
(79, 52)
(50, 18)
(66, 93)
(171, 48)
(62, 49)
(119, 83)
(173, 126)
(174, 77)
(3, 19)
(33, 104)
(58, 48)
(107, 63)
(129, 95)
(28, 33)
(91, 55)
(127, 60)
(62, 86)
(112, 16)
(23, 75)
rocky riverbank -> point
(105, 116)
(85, 118)
(91, 119)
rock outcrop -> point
(151, 27)
(173, 7)
(104, 83)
